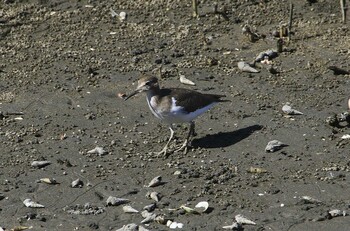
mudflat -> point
(63, 64)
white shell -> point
(290, 111)
(122, 16)
(77, 183)
(347, 136)
(175, 225)
(48, 180)
(155, 181)
(116, 201)
(31, 204)
(187, 209)
(274, 145)
(154, 196)
(40, 164)
(337, 213)
(310, 199)
(98, 150)
(146, 214)
(184, 80)
(202, 206)
(243, 220)
(129, 227)
(150, 208)
(129, 209)
(245, 67)
(149, 217)
(234, 226)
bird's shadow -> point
(225, 139)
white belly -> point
(176, 114)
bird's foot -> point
(164, 153)
(183, 148)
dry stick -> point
(195, 8)
(343, 10)
(290, 20)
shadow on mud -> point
(225, 139)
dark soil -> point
(62, 64)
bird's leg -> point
(164, 150)
(185, 144)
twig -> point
(343, 10)
(290, 20)
(195, 8)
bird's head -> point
(144, 84)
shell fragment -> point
(234, 226)
(98, 150)
(48, 181)
(187, 209)
(274, 145)
(154, 196)
(129, 227)
(202, 206)
(115, 201)
(337, 213)
(129, 209)
(40, 164)
(31, 204)
(149, 217)
(174, 225)
(184, 80)
(243, 220)
(156, 181)
(287, 109)
(77, 183)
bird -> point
(174, 106)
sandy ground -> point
(63, 62)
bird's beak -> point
(132, 94)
